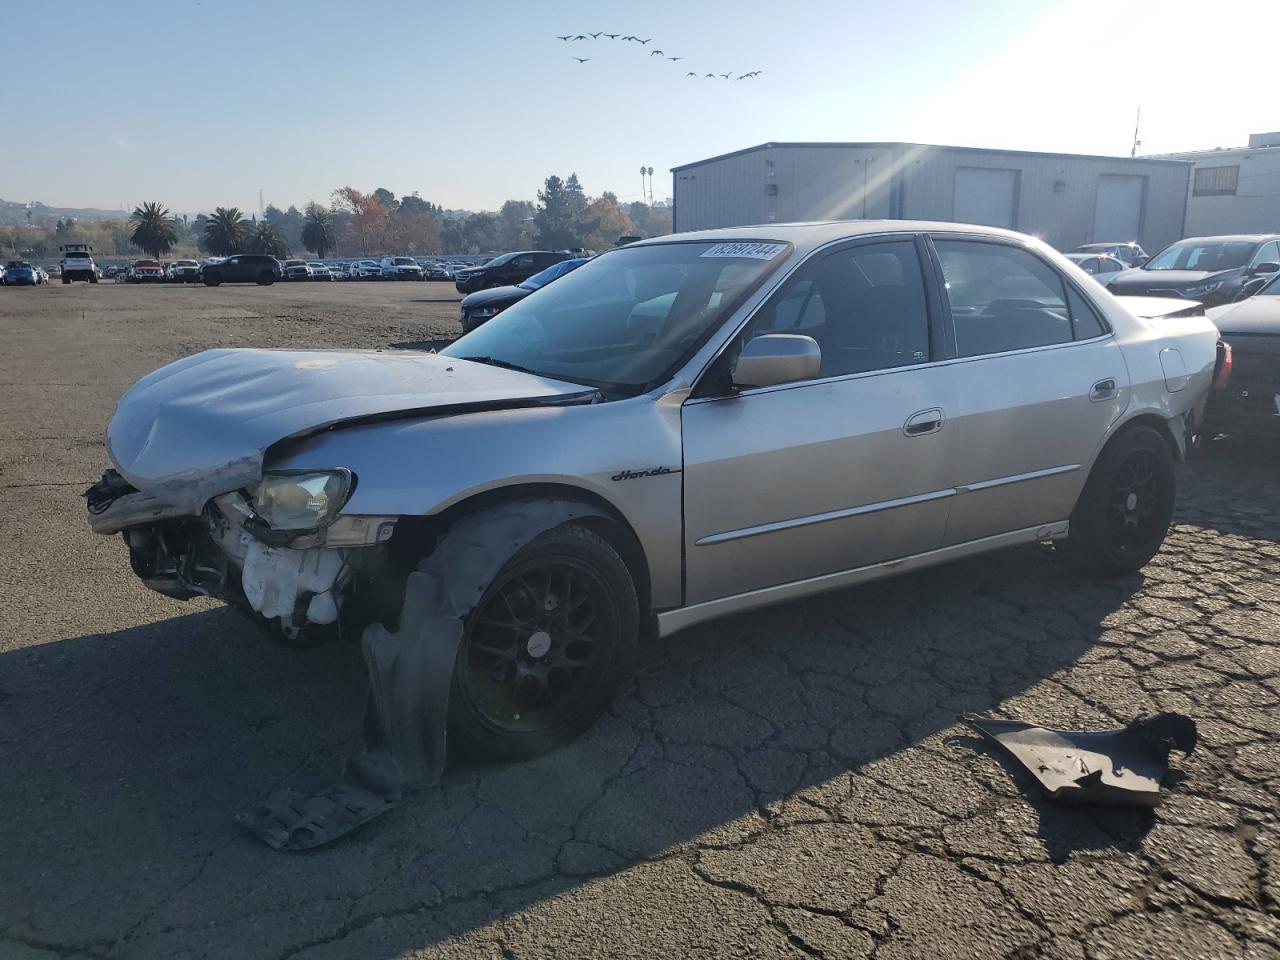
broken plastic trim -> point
(1108, 766)
(410, 673)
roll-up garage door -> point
(984, 196)
(1117, 214)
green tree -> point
(554, 218)
(575, 196)
(266, 238)
(151, 229)
(225, 231)
(317, 230)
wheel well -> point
(1157, 423)
(415, 537)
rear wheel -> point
(1126, 507)
(212, 279)
(545, 650)
(266, 278)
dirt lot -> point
(787, 784)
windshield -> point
(627, 318)
(146, 263)
(403, 262)
(1210, 257)
(549, 274)
(18, 265)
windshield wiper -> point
(504, 364)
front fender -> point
(626, 453)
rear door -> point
(850, 468)
(1039, 379)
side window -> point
(523, 263)
(1002, 298)
(864, 305)
(1267, 253)
(1089, 266)
(233, 260)
(1085, 322)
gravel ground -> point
(792, 783)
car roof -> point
(1106, 246)
(810, 236)
(1233, 238)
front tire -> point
(212, 279)
(1124, 512)
(546, 649)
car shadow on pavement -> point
(1231, 485)
(126, 755)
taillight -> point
(1223, 375)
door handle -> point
(926, 421)
(1102, 390)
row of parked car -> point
(1209, 270)
(265, 269)
(19, 273)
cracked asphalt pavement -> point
(789, 783)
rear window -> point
(403, 262)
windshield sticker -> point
(749, 251)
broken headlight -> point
(303, 500)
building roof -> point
(925, 146)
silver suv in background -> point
(683, 428)
(77, 263)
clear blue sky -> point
(197, 103)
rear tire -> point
(212, 279)
(1125, 509)
(546, 649)
(266, 279)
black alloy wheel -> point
(547, 647)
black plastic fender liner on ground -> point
(1123, 766)
(410, 672)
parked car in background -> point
(484, 305)
(45, 275)
(19, 273)
(338, 270)
(436, 271)
(146, 271)
(77, 263)
(679, 430)
(1099, 266)
(295, 269)
(184, 271)
(506, 270)
(1130, 254)
(1246, 398)
(321, 271)
(242, 268)
(400, 268)
(366, 270)
(1212, 270)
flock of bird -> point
(644, 41)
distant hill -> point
(12, 212)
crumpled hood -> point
(200, 427)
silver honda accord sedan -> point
(683, 428)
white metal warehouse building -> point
(1066, 199)
(1235, 190)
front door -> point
(1038, 380)
(851, 468)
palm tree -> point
(152, 229)
(266, 238)
(224, 232)
(317, 231)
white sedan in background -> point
(1099, 266)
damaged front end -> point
(282, 551)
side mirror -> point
(1265, 267)
(775, 358)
